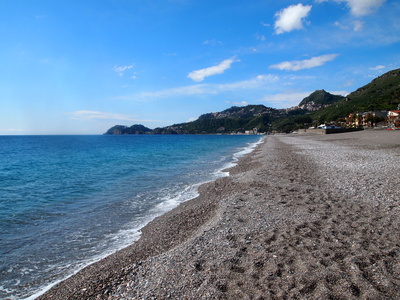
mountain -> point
(134, 129)
(318, 100)
(234, 119)
(301, 116)
(382, 93)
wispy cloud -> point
(199, 75)
(120, 70)
(297, 65)
(359, 8)
(291, 98)
(241, 103)
(285, 99)
(212, 42)
(349, 82)
(358, 25)
(191, 119)
(291, 18)
(355, 25)
(340, 25)
(258, 82)
(170, 54)
(377, 68)
(260, 37)
(362, 7)
(339, 92)
(253, 83)
(13, 130)
(93, 115)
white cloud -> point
(340, 25)
(297, 65)
(260, 37)
(241, 103)
(286, 99)
(291, 18)
(360, 8)
(92, 115)
(341, 93)
(291, 98)
(258, 82)
(121, 69)
(358, 25)
(191, 119)
(377, 68)
(212, 42)
(199, 75)
(363, 7)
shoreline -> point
(221, 173)
(290, 221)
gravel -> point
(301, 217)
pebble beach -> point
(302, 217)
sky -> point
(83, 66)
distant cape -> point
(134, 129)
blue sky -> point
(80, 67)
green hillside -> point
(320, 97)
(234, 119)
(134, 129)
(382, 93)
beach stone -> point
(301, 217)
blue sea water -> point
(67, 201)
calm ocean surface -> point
(67, 201)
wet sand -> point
(302, 217)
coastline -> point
(191, 193)
(301, 216)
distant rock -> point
(134, 129)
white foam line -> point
(162, 209)
(242, 152)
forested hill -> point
(233, 120)
(320, 99)
(382, 93)
(134, 129)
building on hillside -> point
(366, 119)
(353, 120)
(393, 118)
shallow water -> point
(67, 201)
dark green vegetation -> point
(134, 129)
(235, 119)
(383, 93)
(320, 99)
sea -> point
(69, 201)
